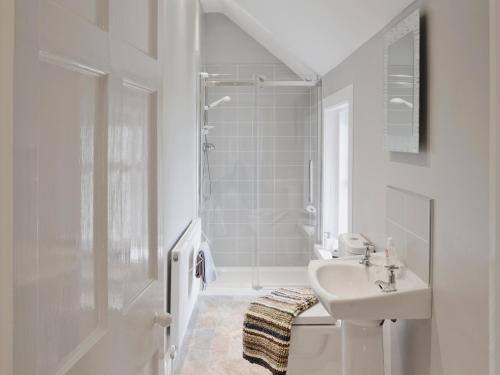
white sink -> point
(348, 291)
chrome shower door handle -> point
(311, 179)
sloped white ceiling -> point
(310, 36)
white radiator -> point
(184, 286)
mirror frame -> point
(410, 144)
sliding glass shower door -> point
(286, 184)
(260, 177)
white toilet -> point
(316, 343)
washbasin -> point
(349, 290)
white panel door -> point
(89, 272)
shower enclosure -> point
(259, 173)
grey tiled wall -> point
(259, 170)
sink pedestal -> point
(362, 348)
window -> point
(337, 166)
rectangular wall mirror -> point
(402, 86)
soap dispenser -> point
(390, 252)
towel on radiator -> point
(268, 325)
(205, 266)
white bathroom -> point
(249, 187)
(305, 166)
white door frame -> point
(6, 185)
(331, 102)
(494, 295)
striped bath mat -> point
(268, 325)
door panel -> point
(68, 286)
(130, 200)
(140, 24)
(93, 11)
(89, 274)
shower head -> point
(217, 102)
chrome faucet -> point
(368, 250)
(390, 285)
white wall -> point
(6, 156)
(230, 45)
(453, 170)
(178, 188)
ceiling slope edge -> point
(256, 30)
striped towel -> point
(268, 326)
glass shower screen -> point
(262, 215)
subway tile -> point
(289, 158)
(291, 260)
(224, 187)
(225, 259)
(266, 99)
(245, 201)
(266, 187)
(223, 114)
(266, 172)
(266, 259)
(223, 230)
(246, 158)
(290, 143)
(288, 201)
(290, 172)
(227, 201)
(245, 187)
(291, 245)
(223, 173)
(266, 201)
(244, 259)
(290, 129)
(224, 245)
(222, 129)
(224, 144)
(245, 171)
(245, 99)
(247, 244)
(244, 216)
(265, 245)
(266, 114)
(395, 201)
(266, 144)
(292, 99)
(417, 216)
(266, 158)
(289, 187)
(266, 230)
(245, 114)
(245, 129)
(418, 256)
(290, 230)
(246, 144)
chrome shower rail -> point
(223, 83)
